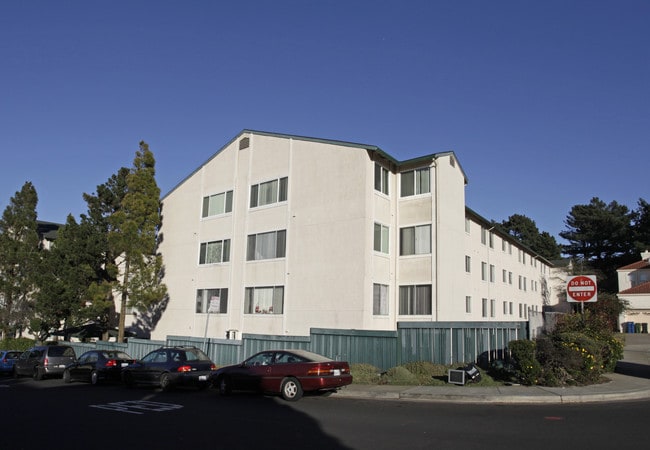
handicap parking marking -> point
(138, 406)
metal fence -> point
(437, 342)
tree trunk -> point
(123, 300)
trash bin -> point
(637, 328)
(630, 327)
(644, 328)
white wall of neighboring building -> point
(331, 266)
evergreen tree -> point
(133, 236)
(641, 226)
(600, 236)
(19, 260)
(525, 231)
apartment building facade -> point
(277, 234)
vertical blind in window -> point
(415, 240)
(415, 300)
(266, 245)
(380, 299)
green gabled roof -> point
(368, 147)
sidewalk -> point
(630, 382)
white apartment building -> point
(634, 288)
(277, 234)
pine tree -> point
(19, 260)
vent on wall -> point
(244, 143)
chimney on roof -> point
(645, 256)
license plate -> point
(61, 366)
(337, 372)
(203, 378)
(124, 364)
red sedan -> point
(285, 372)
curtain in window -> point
(380, 300)
(217, 204)
(278, 300)
(268, 193)
(423, 239)
(407, 186)
(214, 252)
(407, 241)
(422, 185)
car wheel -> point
(15, 373)
(38, 375)
(165, 382)
(66, 376)
(94, 377)
(291, 389)
(224, 386)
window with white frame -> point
(214, 252)
(415, 300)
(415, 182)
(468, 304)
(505, 308)
(381, 179)
(504, 275)
(269, 192)
(484, 271)
(492, 308)
(468, 225)
(212, 300)
(484, 307)
(264, 300)
(216, 204)
(380, 299)
(268, 245)
(492, 273)
(468, 264)
(415, 240)
(381, 233)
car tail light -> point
(213, 367)
(111, 363)
(319, 371)
(45, 362)
(184, 369)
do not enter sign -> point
(581, 288)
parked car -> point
(7, 359)
(285, 372)
(95, 366)
(168, 367)
(44, 361)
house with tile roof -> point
(634, 288)
(278, 234)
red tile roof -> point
(643, 288)
(643, 264)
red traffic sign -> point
(582, 288)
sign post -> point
(582, 289)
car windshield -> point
(115, 354)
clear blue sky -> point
(546, 103)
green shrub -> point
(365, 373)
(427, 372)
(527, 369)
(401, 376)
(16, 344)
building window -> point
(484, 307)
(380, 299)
(216, 204)
(505, 308)
(483, 236)
(492, 273)
(491, 235)
(214, 252)
(415, 240)
(468, 304)
(468, 225)
(492, 307)
(212, 300)
(415, 182)
(415, 300)
(510, 308)
(381, 179)
(264, 300)
(274, 191)
(484, 271)
(381, 238)
(468, 264)
(504, 275)
(266, 245)
(510, 278)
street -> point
(50, 413)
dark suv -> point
(44, 361)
